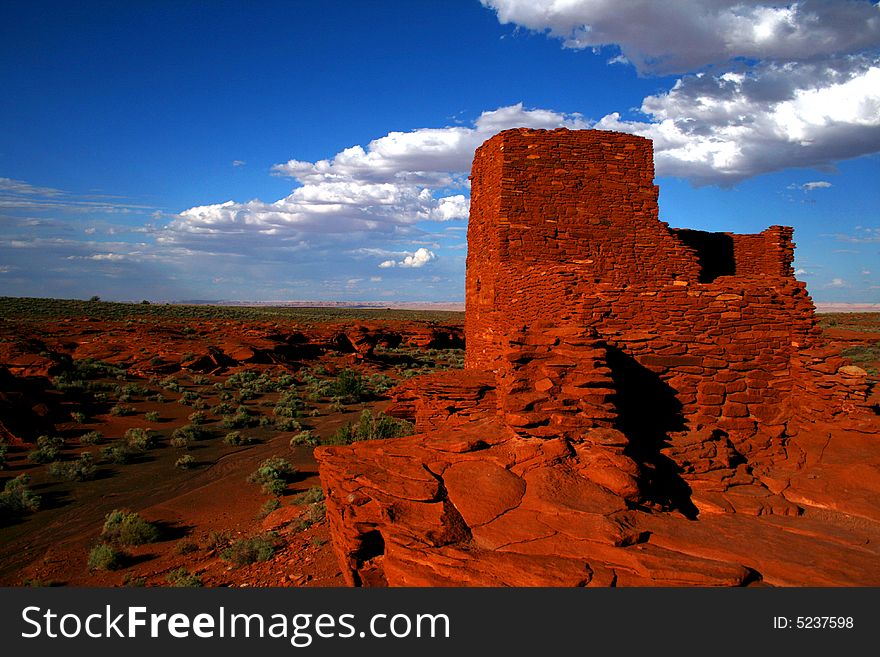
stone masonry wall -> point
(564, 228)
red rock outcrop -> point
(640, 405)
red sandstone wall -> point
(564, 228)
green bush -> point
(284, 423)
(106, 557)
(304, 438)
(183, 436)
(371, 427)
(3, 450)
(310, 496)
(198, 418)
(242, 418)
(48, 449)
(140, 439)
(152, 416)
(81, 469)
(121, 410)
(185, 462)
(273, 475)
(245, 551)
(182, 578)
(91, 438)
(186, 546)
(17, 499)
(269, 507)
(349, 386)
(188, 398)
(128, 528)
(120, 452)
(236, 438)
(79, 417)
(223, 408)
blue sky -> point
(288, 151)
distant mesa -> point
(641, 405)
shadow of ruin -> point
(640, 405)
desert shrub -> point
(237, 438)
(48, 449)
(336, 405)
(242, 418)
(188, 398)
(223, 408)
(225, 396)
(186, 546)
(120, 452)
(106, 557)
(285, 423)
(91, 438)
(304, 438)
(17, 499)
(273, 475)
(269, 507)
(79, 417)
(131, 580)
(181, 441)
(245, 551)
(121, 410)
(185, 462)
(82, 469)
(183, 436)
(3, 451)
(371, 427)
(170, 383)
(153, 416)
(197, 418)
(310, 496)
(289, 405)
(182, 578)
(128, 528)
(316, 514)
(140, 439)
(349, 386)
(216, 539)
(380, 383)
(246, 393)
(201, 380)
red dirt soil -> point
(202, 510)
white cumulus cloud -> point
(420, 258)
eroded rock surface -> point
(640, 405)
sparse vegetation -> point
(152, 416)
(82, 469)
(106, 557)
(17, 499)
(270, 506)
(91, 438)
(273, 475)
(182, 578)
(121, 410)
(140, 439)
(121, 453)
(128, 528)
(304, 438)
(48, 449)
(237, 438)
(245, 551)
(370, 427)
(310, 496)
(185, 462)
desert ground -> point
(216, 392)
(177, 406)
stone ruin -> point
(640, 405)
